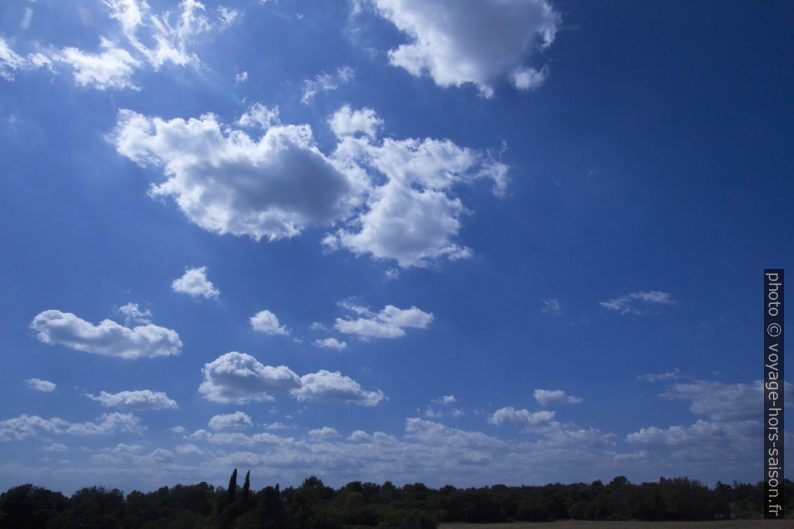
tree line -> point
(359, 505)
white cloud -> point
(194, 283)
(238, 378)
(228, 183)
(188, 448)
(638, 302)
(722, 402)
(55, 447)
(325, 432)
(277, 426)
(334, 386)
(330, 343)
(458, 42)
(172, 36)
(258, 115)
(238, 438)
(546, 397)
(107, 338)
(241, 77)
(140, 399)
(325, 82)
(179, 430)
(134, 314)
(267, 322)
(112, 68)
(522, 418)
(675, 374)
(40, 385)
(348, 122)
(551, 306)
(231, 421)
(413, 217)
(390, 322)
(390, 199)
(10, 61)
(25, 426)
(446, 399)
(228, 16)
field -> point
(729, 524)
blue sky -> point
(462, 243)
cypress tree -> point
(231, 492)
(246, 489)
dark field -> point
(730, 524)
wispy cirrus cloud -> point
(638, 303)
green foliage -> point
(359, 505)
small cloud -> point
(231, 421)
(133, 314)
(259, 115)
(267, 322)
(547, 397)
(179, 430)
(323, 433)
(390, 322)
(194, 283)
(551, 306)
(141, 399)
(188, 448)
(40, 385)
(522, 418)
(241, 77)
(330, 343)
(638, 302)
(446, 399)
(325, 82)
(675, 374)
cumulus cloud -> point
(324, 82)
(112, 68)
(107, 338)
(334, 386)
(267, 322)
(194, 283)
(546, 397)
(134, 314)
(389, 199)
(325, 432)
(446, 399)
(348, 122)
(239, 377)
(228, 183)
(522, 418)
(140, 399)
(231, 421)
(413, 217)
(458, 42)
(40, 385)
(638, 302)
(259, 115)
(25, 426)
(330, 343)
(390, 322)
